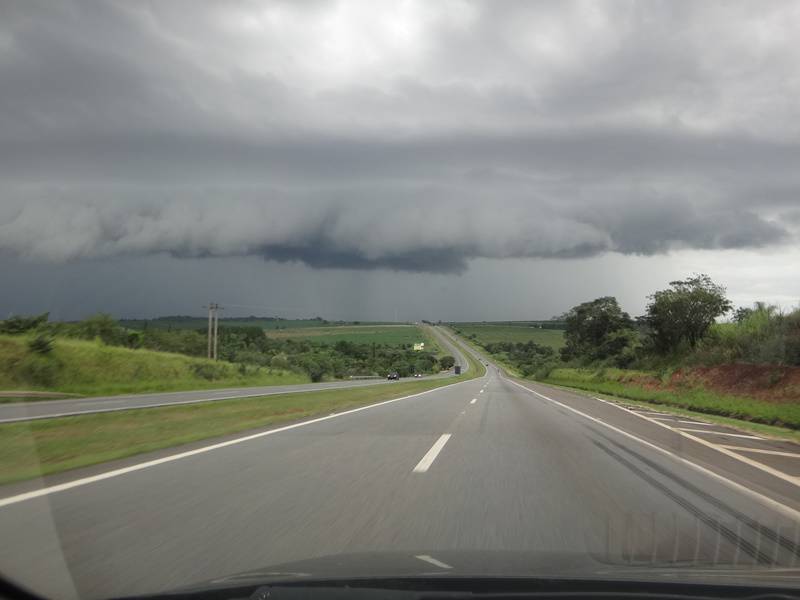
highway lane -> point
(478, 465)
(46, 409)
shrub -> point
(447, 362)
(20, 324)
(209, 371)
(41, 344)
(39, 371)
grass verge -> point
(93, 369)
(34, 448)
(695, 399)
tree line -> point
(244, 345)
(680, 324)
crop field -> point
(488, 333)
(361, 334)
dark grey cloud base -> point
(377, 137)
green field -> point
(94, 369)
(34, 448)
(488, 333)
(183, 322)
(391, 335)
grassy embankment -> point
(646, 387)
(94, 369)
(34, 448)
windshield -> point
(331, 289)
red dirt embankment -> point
(771, 383)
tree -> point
(21, 324)
(597, 330)
(683, 313)
(447, 362)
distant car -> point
(393, 375)
(417, 374)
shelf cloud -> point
(410, 136)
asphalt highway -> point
(490, 464)
(47, 409)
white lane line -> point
(433, 561)
(431, 455)
(761, 451)
(473, 401)
(481, 391)
(737, 435)
(167, 459)
(766, 500)
(718, 448)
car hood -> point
(500, 564)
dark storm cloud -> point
(416, 138)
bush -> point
(20, 324)
(39, 371)
(447, 362)
(279, 361)
(41, 344)
(209, 371)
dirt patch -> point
(770, 383)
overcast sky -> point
(372, 160)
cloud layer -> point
(409, 136)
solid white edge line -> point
(753, 463)
(430, 455)
(173, 457)
(787, 511)
(429, 559)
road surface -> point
(486, 464)
(47, 409)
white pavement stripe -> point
(433, 561)
(481, 391)
(674, 420)
(738, 435)
(173, 457)
(473, 401)
(761, 451)
(431, 455)
(719, 448)
(766, 500)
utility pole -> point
(213, 329)
(216, 329)
(210, 327)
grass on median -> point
(34, 448)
